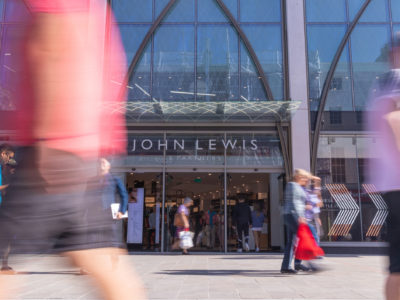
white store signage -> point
(182, 144)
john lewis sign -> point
(182, 144)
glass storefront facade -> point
(210, 91)
(354, 210)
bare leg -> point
(6, 253)
(175, 245)
(119, 284)
(393, 287)
(256, 238)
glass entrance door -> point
(248, 190)
(143, 227)
(206, 216)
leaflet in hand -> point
(115, 210)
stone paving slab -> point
(201, 277)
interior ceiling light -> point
(142, 89)
(191, 93)
(244, 98)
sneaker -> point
(301, 268)
(288, 271)
(239, 250)
(246, 247)
(257, 249)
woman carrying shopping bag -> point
(181, 221)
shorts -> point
(393, 233)
(53, 205)
(256, 228)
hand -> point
(309, 207)
(301, 220)
(120, 215)
(3, 187)
(233, 227)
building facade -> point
(227, 97)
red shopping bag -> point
(307, 248)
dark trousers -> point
(393, 230)
(242, 229)
(291, 233)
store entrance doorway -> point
(207, 213)
(253, 188)
(151, 224)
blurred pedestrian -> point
(181, 221)
(64, 122)
(293, 215)
(7, 165)
(384, 171)
(241, 220)
(258, 218)
(109, 187)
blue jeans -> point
(314, 232)
(291, 232)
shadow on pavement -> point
(250, 257)
(50, 273)
(246, 273)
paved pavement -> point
(211, 277)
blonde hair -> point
(300, 173)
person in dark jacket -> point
(7, 165)
(241, 220)
(109, 186)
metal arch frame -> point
(252, 54)
(247, 44)
(327, 83)
(147, 37)
(254, 57)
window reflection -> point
(139, 83)
(133, 10)
(395, 10)
(337, 167)
(182, 11)
(210, 11)
(323, 41)
(375, 12)
(217, 63)
(267, 44)
(326, 11)
(370, 60)
(260, 11)
(174, 63)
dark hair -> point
(6, 148)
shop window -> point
(335, 117)
(336, 83)
(338, 170)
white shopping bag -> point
(186, 239)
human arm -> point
(185, 220)
(298, 198)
